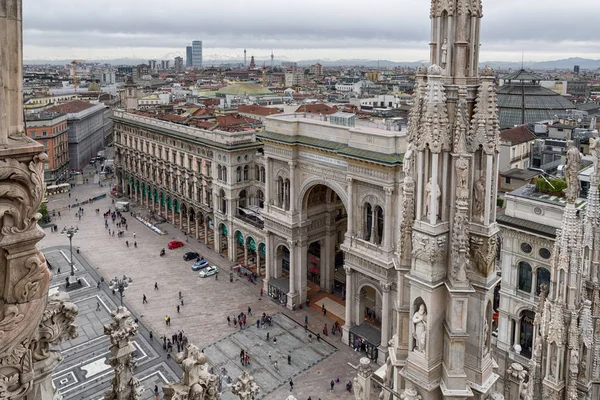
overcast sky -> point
(396, 30)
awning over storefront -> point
(367, 332)
(283, 284)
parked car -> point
(190, 255)
(175, 244)
(208, 271)
(200, 264)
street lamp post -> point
(70, 232)
(121, 289)
(119, 285)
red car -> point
(175, 244)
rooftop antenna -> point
(522, 60)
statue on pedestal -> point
(420, 332)
(572, 172)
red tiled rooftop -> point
(317, 109)
(258, 110)
(517, 135)
(72, 107)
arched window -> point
(261, 198)
(526, 335)
(287, 194)
(368, 221)
(225, 174)
(279, 192)
(542, 278)
(256, 173)
(223, 205)
(242, 199)
(262, 175)
(238, 174)
(246, 173)
(525, 277)
(379, 212)
(219, 173)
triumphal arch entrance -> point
(333, 192)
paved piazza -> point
(207, 302)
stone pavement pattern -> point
(83, 373)
(207, 301)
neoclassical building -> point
(310, 204)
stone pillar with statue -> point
(197, 381)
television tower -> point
(272, 59)
(244, 57)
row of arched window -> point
(526, 278)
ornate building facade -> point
(304, 212)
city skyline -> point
(333, 30)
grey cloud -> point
(288, 25)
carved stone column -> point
(56, 326)
(23, 272)
(197, 382)
(124, 386)
(245, 388)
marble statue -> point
(197, 381)
(420, 329)
(122, 330)
(572, 172)
(407, 162)
(358, 389)
(245, 388)
(388, 380)
(444, 52)
(553, 366)
(428, 189)
(595, 150)
(479, 198)
(462, 184)
(410, 394)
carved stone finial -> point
(422, 70)
(56, 326)
(488, 71)
(410, 394)
(245, 387)
(434, 70)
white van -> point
(122, 206)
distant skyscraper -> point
(576, 69)
(178, 64)
(188, 56)
(197, 53)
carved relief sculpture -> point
(479, 198)
(444, 53)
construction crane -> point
(74, 66)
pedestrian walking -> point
(291, 385)
(182, 302)
(289, 359)
(169, 321)
(249, 311)
(155, 285)
(144, 299)
(276, 366)
(135, 244)
(156, 391)
(177, 308)
(306, 320)
(180, 294)
(324, 311)
(134, 234)
(267, 336)
(261, 292)
(331, 385)
(97, 306)
(150, 334)
(269, 355)
(258, 324)
(228, 319)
